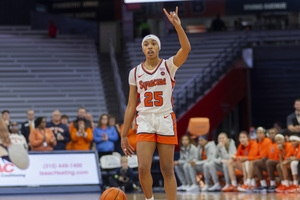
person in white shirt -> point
(151, 86)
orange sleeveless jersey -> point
(249, 151)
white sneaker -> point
(205, 188)
(215, 187)
(226, 186)
(193, 188)
(182, 187)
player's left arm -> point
(185, 49)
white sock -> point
(295, 183)
(152, 198)
(253, 182)
(263, 183)
(273, 183)
(286, 183)
(234, 183)
(248, 181)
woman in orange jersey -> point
(151, 85)
(247, 148)
(289, 165)
(276, 153)
(264, 144)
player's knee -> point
(166, 170)
(278, 167)
(144, 170)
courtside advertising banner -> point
(52, 170)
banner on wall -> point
(234, 7)
(57, 169)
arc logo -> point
(7, 168)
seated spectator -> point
(41, 138)
(105, 136)
(6, 119)
(60, 131)
(29, 125)
(276, 153)
(245, 149)
(293, 120)
(289, 165)
(264, 144)
(188, 152)
(81, 135)
(16, 137)
(65, 120)
(124, 177)
(131, 134)
(225, 148)
(205, 154)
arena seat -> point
(46, 74)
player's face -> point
(202, 142)
(279, 141)
(243, 139)
(272, 134)
(185, 141)
(150, 48)
(222, 138)
(260, 134)
(295, 143)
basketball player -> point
(151, 86)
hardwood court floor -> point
(161, 196)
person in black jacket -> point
(123, 177)
(29, 125)
(60, 131)
(293, 120)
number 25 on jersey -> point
(156, 96)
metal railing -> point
(204, 80)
